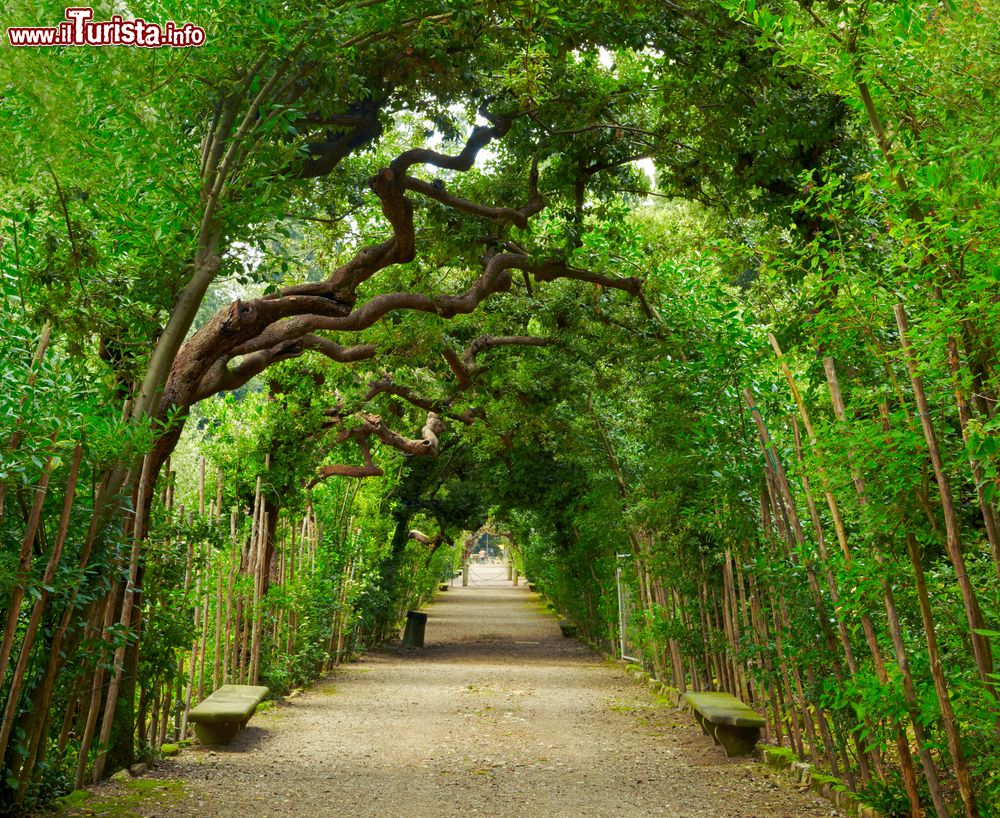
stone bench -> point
(727, 720)
(218, 718)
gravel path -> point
(498, 716)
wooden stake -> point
(989, 513)
(218, 496)
(948, 719)
(96, 690)
(28, 640)
(973, 614)
(201, 487)
(24, 566)
(128, 599)
(216, 655)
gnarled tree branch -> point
(426, 445)
(433, 542)
(367, 470)
(245, 338)
(222, 377)
(465, 366)
(516, 216)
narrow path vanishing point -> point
(498, 715)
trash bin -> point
(413, 634)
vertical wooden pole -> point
(203, 641)
(953, 545)
(34, 620)
(96, 689)
(950, 722)
(201, 487)
(218, 495)
(217, 661)
(24, 567)
(128, 599)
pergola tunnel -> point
(508, 354)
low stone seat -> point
(727, 720)
(218, 718)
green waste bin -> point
(413, 634)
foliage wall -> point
(698, 299)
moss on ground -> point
(822, 778)
(784, 755)
(120, 800)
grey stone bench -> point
(727, 720)
(218, 718)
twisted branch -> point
(466, 368)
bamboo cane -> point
(128, 599)
(256, 607)
(216, 656)
(948, 719)
(909, 692)
(902, 742)
(867, 625)
(201, 487)
(194, 575)
(989, 513)
(218, 495)
(72, 709)
(105, 494)
(804, 711)
(24, 566)
(203, 641)
(75, 711)
(253, 568)
(96, 691)
(953, 545)
(760, 629)
(28, 640)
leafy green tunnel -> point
(696, 302)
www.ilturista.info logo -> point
(78, 29)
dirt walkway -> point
(498, 716)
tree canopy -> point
(692, 301)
